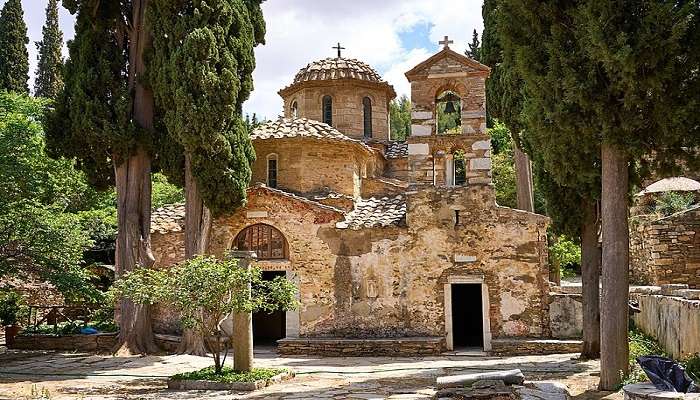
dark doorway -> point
(269, 327)
(467, 315)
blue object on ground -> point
(88, 330)
(667, 374)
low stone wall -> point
(566, 315)
(99, 343)
(671, 314)
(519, 346)
(666, 250)
(362, 347)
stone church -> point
(395, 247)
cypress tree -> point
(104, 118)
(614, 80)
(474, 50)
(49, 78)
(504, 100)
(201, 73)
(14, 59)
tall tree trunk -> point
(133, 186)
(197, 229)
(242, 337)
(590, 270)
(523, 180)
(614, 316)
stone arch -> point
(268, 242)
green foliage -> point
(14, 58)
(474, 51)
(692, 367)
(564, 252)
(672, 202)
(500, 137)
(12, 307)
(228, 375)
(400, 118)
(449, 123)
(201, 73)
(49, 75)
(205, 291)
(490, 55)
(91, 120)
(164, 192)
(70, 327)
(640, 344)
(503, 172)
(39, 231)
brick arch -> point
(453, 86)
(268, 242)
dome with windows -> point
(337, 68)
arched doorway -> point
(269, 244)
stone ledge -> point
(236, 386)
(404, 346)
(647, 391)
(533, 346)
(101, 342)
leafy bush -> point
(640, 344)
(12, 307)
(692, 367)
(673, 202)
(565, 253)
(228, 375)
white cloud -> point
(301, 31)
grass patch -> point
(228, 375)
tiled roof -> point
(376, 212)
(337, 68)
(396, 150)
(169, 218)
(261, 186)
(677, 184)
(301, 128)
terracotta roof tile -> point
(396, 150)
(337, 68)
(376, 212)
(284, 128)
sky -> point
(390, 35)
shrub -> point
(673, 202)
(12, 307)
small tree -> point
(49, 76)
(14, 58)
(206, 291)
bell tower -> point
(449, 145)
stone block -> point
(421, 130)
(480, 164)
(482, 145)
(462, 258)
(511, 377)
(421, 115)
(256, 214)
(418, 149)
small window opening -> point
(456, 217)
(294, 109)
(367, 107)
(460, 168)
(272, 171)
(328, 110)
(449, 113)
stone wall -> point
(362, 348)
(348, 114)
(566, 315)
(666, 250)
(309, 166)
(671, 314)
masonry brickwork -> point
(666, 250)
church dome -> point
(337, 68)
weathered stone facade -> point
(666, 250)
(379, 245)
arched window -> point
(272, 170)
(328, 110)
(367, 107)
(294, 109)
(267, 242)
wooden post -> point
(242, 337)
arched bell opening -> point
(448, 107)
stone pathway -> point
(25, 375)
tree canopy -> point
(14, 59)
(201, 73)
(400, 118)
(49, 74)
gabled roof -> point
(467, 62)
(286, 128)
(262, 188)
(375, 212)
(676, 184)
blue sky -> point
(390, 35)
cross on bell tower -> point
(338, 47)
(446, 42)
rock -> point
(511, 377)
(488, 383)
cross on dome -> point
(446, 42)
(338, 47)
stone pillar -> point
(242, 338)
